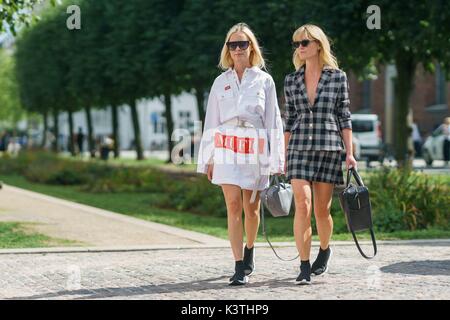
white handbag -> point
(278, 200)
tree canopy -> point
(128, 50)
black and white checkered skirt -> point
(312, 165)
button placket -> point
(311, 120)
(242, 85)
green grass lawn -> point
(21, 235)
(140, 205)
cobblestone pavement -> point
(406, 270)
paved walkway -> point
(127, 258)
(90, 226)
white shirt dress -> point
(242, 155)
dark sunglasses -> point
(303, 43)
(232, 45)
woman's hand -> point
(350, 161)
(285, 162)
(210, 171)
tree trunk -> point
(404, 83)
(200, 95)
(169, 122)
(90, 135)
(137, 130)
(55, 131)
(44, 136)
(115, 126)
(71, 136)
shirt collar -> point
(326, 67)
(253, 69)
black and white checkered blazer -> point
(317, 127)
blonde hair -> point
(256, 58)
(314, 32)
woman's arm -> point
(347, 137)
(290, 113)
(350, 160)
(274, 127)
(212, 121)
(287, 136)
(344, 118)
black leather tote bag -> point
(355, 203)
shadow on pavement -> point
(417, 244)
(426, 267)
(219, 283)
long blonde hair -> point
(256, 58)
(314, 32)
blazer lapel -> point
(324, 79)
(300, 83)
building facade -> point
(429, 101)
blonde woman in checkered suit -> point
(317, 121)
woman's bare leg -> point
(302, 219)
(323, 193)
(233, 200)
(252, 217)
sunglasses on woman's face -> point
(303, 43)
(232, 45)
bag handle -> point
(267, 238)
(372, 235)
(277, 182)
(355, 174)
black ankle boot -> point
(305, 273)
(249, 260)
(239, 278)
(320, 266)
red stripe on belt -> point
(238, 144)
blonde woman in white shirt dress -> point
(242, 142)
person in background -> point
(80, 140)
(417, 139)
(14, 146)
(3, 141)
(446, 146)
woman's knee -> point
(322, 213)
(251, 213)
(303, 215)
(234, 208)
(322, 210)
(303, 206)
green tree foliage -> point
(10, 108)
(16, 12)
(128, 50)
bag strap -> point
(372, 235)
(267, 238)
(358, 179)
